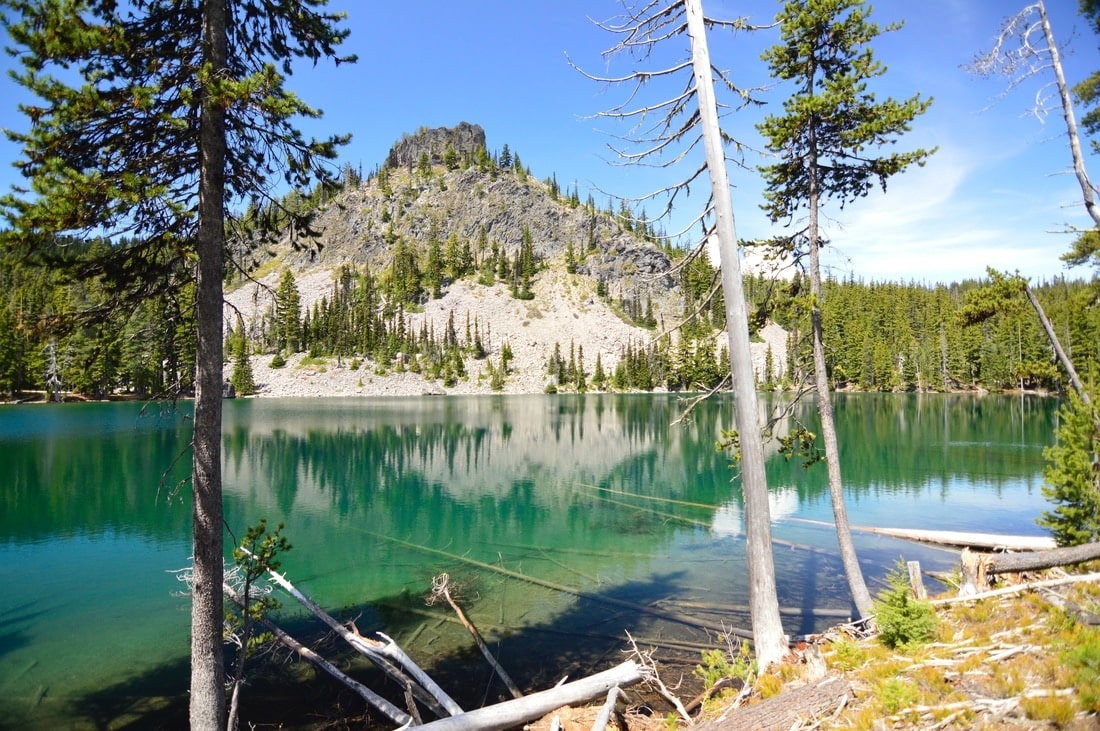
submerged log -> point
(440, 587)
(1067, 556)
(517, 712)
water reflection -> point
(600, 494)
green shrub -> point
(902, 620)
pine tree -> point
(160, 114)
(1072, 476)
(829, 123)
(242, 379)
(288, 305)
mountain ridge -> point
(602, 285)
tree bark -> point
(1087, 190)
(768, 639)
(207, 704)
(1074, 379)
(515, 713)
(1007, 563)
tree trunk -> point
(768, 638)
(207, 659)
(1087, 191)
(1055, 343)
(515, 713)
(1004, 563)
(789, 709)
(856, 584)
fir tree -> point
(1072, 476)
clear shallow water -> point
(598, 494)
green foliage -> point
(901, 619)
(832, 117)
(1083, 661)
(257, 554)
(1072, 476)
(733, 661)
(896, 694)
(242, 379)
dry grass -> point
(1029, 661)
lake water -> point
(626, 521)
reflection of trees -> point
(489, 467)
(104, 474)
(904, 444)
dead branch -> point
(441, 588)
(1021, 588)
(381, 654)
(645, 659)
(372, 699)
(607, 709)
(515, 713)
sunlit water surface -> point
(625, 520)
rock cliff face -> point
(589, 268)
(465, 138)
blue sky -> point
(997, 193)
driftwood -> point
(949, 538)
(517, 712)
(441, 588)
(607, 709)
(387, 656)
(1013, 562)
(961, 539)
(1019, 589)
(788, 709)
(374, 700)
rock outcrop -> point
(464, 138)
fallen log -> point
(386, 655)
(1014, 562)
(517, 712)
(1019, 589)
(963, 539)
(949, 538)
(372, 699)
(788, 709)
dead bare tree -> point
(683, 122)
(1024, 49)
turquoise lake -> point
(625, 520)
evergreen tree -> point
(829, 123)
(288, 306)
(242, 379)
(1072, 476)
(161, 112)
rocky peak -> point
(464, 138)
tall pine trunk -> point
(207, 658)
(848, 558)
(768, 639)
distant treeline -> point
(878, 336)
